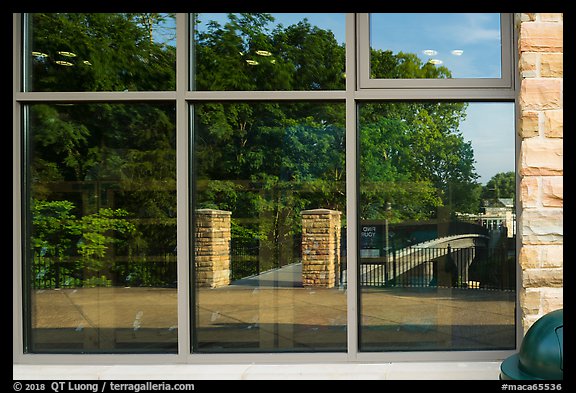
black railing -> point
(73, 273)
(471, 267)
(250, 258)
(244, 262)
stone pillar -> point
(540, 222)
(212, 248)
(320, 247)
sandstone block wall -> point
(540, 105)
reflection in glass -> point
(268, 217)
(431, 45)
(436, 245)
(101, 259)
(268, 52)
(101, 52)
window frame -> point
(358, 88)
(506, 81)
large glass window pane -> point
(269, 218)
(101, 228)
(279, 51)
(101, 52)
(437, 226)
(431, 45)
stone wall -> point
(540, 104)
(212, 247)
(320, 247)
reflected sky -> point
(467, 44)
(490, 128)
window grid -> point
(358, 88)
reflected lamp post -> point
(388, 209)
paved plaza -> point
(271, 312)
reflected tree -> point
(100, 52)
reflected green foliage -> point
(100, 52)
(413, 156)
(71, 251)
(269, 161)
(246, 53)
(107, 156)
(385, 64)
(501, 185)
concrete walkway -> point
(289, 276)
(317, 371)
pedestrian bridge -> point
(443, 261)
(456, 261)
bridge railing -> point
(470, 267)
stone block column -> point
(541, 130)
(212, 248)
(320, 247)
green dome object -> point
(540, 355)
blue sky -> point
(475, 38)
(467, 44)
(490, 128)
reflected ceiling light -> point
(435, 61)
(273, 61)
(241, 53)
(66, 54)
(86, 62)
(252, 62)
(430, 52)
(263, 53)
(457, 52)
(64, 63)
(39, 54)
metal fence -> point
(250, 258)
(471, 267)
(244, 262)
(72, 273)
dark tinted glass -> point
(269, 216)
(101, 52)
(437, 235)
(269, 52)
(101, 228)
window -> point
(101, 272)
(206, 186)
(437, 241)
(434, 50)
(272, 52)
(459, 45)
(100, 52)
(270, 208)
